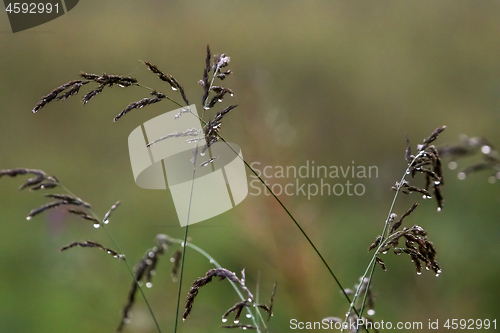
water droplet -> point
(439, 271)
(452, 165)
(96, 225)
(106, 221)
(485, 149)
(419, 273)
(249, 315)
(183, 319)
(425, 197)
(236, 321)
(28, 218)
(370, 312)
(151, 254)
(427, 268)
(202, 153)
(211, 261)
(250, 300)
(206, 108)
(224, 320)
(408, 172)
(231, 95)
(182, 244)
(437, 274)
(244, 328)
(461, 175)
(437, 182)
(439, 209)
(174, 88)
(149, 285)
(220, 100)
(384, 252)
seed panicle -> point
(93, 244)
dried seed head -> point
(94, 244)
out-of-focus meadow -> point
(334, 82)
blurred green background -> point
(324, 81)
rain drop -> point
(249, 315)
(486, 149)
(149, 285)
(384, 252)
(408, 172)
(437, 274)
(224, 320)
(174, 88)
(236, 321)
(106, 221)
(232, 95)
(370, 312)
(437, 182)
(182, 244)
(418, 273)
(28, 218)
(244, 328)
(202, 153)
(439, 209)
(96, 225)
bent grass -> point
(426, 162)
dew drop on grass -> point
(106, 221)
(96, 225)
(224, 320)
(249, 315)
(437, 182)
(28, 218)
(485, 149)
(371, 312)
(236, 321)
(149, 284)
(439, 209)
(211, 261)
(419, 273)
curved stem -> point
(370, 269)
(125, 261)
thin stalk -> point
(189, 212)
(371, 266)
(125, 261)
